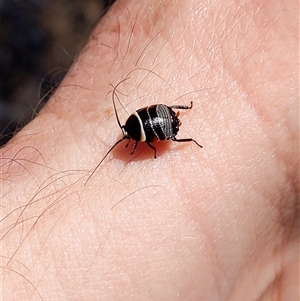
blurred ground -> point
(38, 41)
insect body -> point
(154, 123)
(150, 124)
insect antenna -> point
(114, 94)
(119, 141)
(125, 136)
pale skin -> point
(218, 223)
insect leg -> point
(154, 149)
(134, 147)
(127, 143)
(182, 107)
(186, 140)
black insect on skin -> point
(150, 124)
(154, 123)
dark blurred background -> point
(39, 40)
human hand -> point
(218, 223)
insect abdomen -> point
(167, 121)
(156, 123)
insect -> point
(150, 124)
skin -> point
(218, 223)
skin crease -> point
(218, 223)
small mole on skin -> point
(108, 112)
